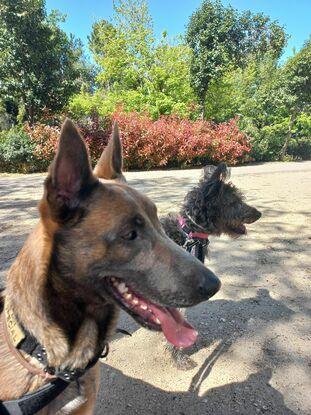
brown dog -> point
(98, 246)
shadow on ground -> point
(117, 392)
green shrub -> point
(303, 125)
(5, 119)
(300, 148)
(44, 139)
(299, 145)
(17, 152)
(268, 141)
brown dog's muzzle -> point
(209, 286)
(194, 282)
(174, 277)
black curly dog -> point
(213, 207)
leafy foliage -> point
(40, 66)
(135, 72)
(269, 100)
(44, 139)
(96, 132)
(220, 37)
(171, 141)
(123, 48)
(299, 145)
(297, 76)
(17, 152)
(227, 69)
(253, 92)
(167, 141)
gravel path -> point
(253, 354)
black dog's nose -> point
(252, 215)
(210, 284)
(258, 215)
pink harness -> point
(201, 235)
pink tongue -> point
(175, 328)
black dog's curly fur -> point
(215, 206)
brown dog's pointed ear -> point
(109, 165)
(70, 174)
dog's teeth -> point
(122, 288)
(143, 306)
(135, 301)
(157, 321)
(127, 296)
(113, 279)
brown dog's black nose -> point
(209, 285)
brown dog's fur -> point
(89, 230)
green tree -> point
(254, 93)
(296, 75)
(122, 48)
(220, 37)
(40, 66)
(135, 72)
(167, 85)
(272, 102)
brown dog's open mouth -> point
(166, 319)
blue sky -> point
(173, 15)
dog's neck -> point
(51, 310)
(194, 221)
(201, 211)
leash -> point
(195, 241)
(18, 338)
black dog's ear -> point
(109, 165)
(70, 174)
(221, 173)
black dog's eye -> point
(130, 236)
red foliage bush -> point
(96, 132)
(171, 141)
(168, 141)
(45, 139)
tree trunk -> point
(288, 136)
(202, 105)
(30, 115)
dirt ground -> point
(253, 352)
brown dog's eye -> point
(130, 236)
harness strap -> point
(33, 402)
(182, 223)
(21, 360)
(59, 379)
(195, 241)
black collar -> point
(32, 347)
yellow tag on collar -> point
(14, 329)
